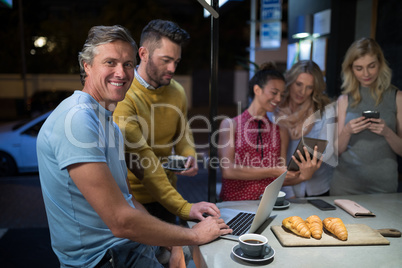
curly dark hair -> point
(265, 73)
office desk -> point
(388, 210)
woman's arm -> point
(379, 127)
(342, 139)
(284, 144)
(354, 126)
(226, 152)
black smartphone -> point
(371, 114)
(321, 204)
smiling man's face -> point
(111, 73)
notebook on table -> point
(248, 222)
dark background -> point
(67, 23)
(389, 36)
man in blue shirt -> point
(94, 221)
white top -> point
(324, 128)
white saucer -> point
(236, 250)
(286, 204)
(168, 167)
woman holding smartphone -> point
(367, 146)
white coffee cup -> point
(280, 199)
(254, 245)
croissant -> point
(336, 227)
(297, 226)
(314, 223)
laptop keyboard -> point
(241, 223)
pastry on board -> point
(297, 225)
(315, 225)
(336, 227)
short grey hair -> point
(100, 35)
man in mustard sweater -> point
(153, 120)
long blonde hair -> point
(320, 100)
(350, 85)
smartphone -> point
(371, 114)
(321, 204)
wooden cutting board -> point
(358, 235)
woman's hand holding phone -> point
(308, 165)
(357, 125)
(379, 127)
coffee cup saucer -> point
(168, 166)
(238, 252)
(286, 204)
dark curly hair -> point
(265, 73)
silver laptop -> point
(248, 222)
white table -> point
(388, 210)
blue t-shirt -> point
(78, 130)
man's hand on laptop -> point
(204, 208)
(210, 228)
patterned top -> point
(257, 144)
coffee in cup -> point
(280, 199)
(177, 161)
(254, 245)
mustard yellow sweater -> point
(152, 123)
